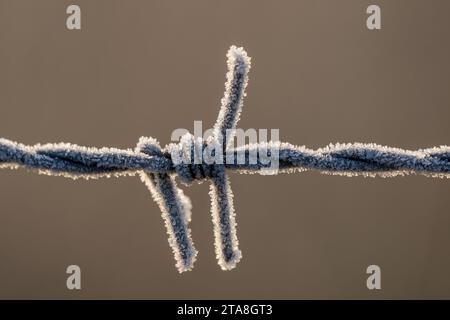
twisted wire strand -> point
(352, 159)
(158, 170)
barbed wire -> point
(158, 170)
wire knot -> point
(192, 158)
(195, 159)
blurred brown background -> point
(148, 67)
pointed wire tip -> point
(185, 266)
(238, 56)
(230, 263)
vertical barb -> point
(224, 222)
(222, 208)
(237, 77)
(175, 209)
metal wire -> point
(158, 170)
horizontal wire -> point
(349, 159)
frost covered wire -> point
(174, 205)
(158, 170)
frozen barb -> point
(158, 169)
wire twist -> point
(158, 170)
